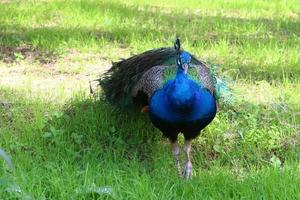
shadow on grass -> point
(91, 125)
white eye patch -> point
(178, 62)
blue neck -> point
(181, 94)
(180, 71)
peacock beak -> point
(185, 67)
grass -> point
(66, 144)
(242, 36)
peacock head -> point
(183, 60)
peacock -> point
(178, 91)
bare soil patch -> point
(15, 54)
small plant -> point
(54, 135)
(18, 56)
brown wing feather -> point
(205, 77)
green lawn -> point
(67, 144)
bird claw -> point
(187, 170)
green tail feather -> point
(223, 92)
(118, 82)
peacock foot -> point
(187, 170)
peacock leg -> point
(175, 151)
(188, 168)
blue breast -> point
(182, 104)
